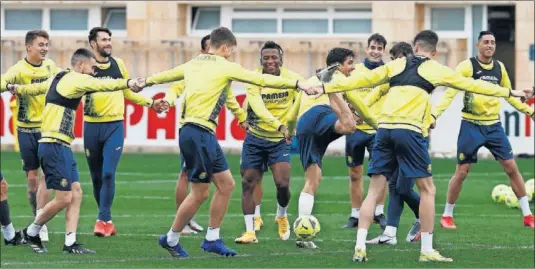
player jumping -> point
(267, 143)
(481, 126)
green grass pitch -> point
(488, 234)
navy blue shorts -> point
(473, 136)
(401, 148)
(1, 176)
(182, 161)
(29, 144)
(356, 145)
(258, 153)
(402, 184)
(202, 154)
(315, 131)
(59, 166)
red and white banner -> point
(143, 127)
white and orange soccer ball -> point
(306, 227)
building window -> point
(23, 19)
(348, 26)
(447, 19)
(254, 26)
(206, 18)
(69, 19)
(114, 18)
(258, 21)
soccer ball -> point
(511, 201)
(306, 227)
(499, 193)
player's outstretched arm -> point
(30, 89)
(236, 72)
(366, 79)
(171, 75)
(361, 108)
(234, 107)
(345, 116)
(254, 100)
(376, 94)
(444, 103)
(85, 83)
(293, 113)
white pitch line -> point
(237, 178)
(315, 252)
(240, 215)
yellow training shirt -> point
(30, 108)
(109, 106)
(61, 102)
(268, 108)
(177, 88)
(207, 80)
(480, 109)
(405, 106)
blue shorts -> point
(258, 153)
(59, 166)
(473, 136)
(402, 184)
(29, 144)
(315, 131)
(202, 154)
(1, 176)
(356, 145)
(401, 148)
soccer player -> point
(207, 83)
(400, 189)
(34, 68)
(267, 142)
(104, 127)
(320, 122)
(363, 138)
(64, 92)
(481, 126)
(175, 91)
(399, 139)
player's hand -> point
(244, 125)
(12, 88)
(433, 125)
(358, 120)
(284, 130)
(159, 106)
(527, 93)
(303, 86)
(164, 106)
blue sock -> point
(395, 204)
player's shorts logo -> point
(22, 161)
(461, 156)
(349, 159)
(429, 169)
(202, 175)
(63, 183)
(87, 152)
